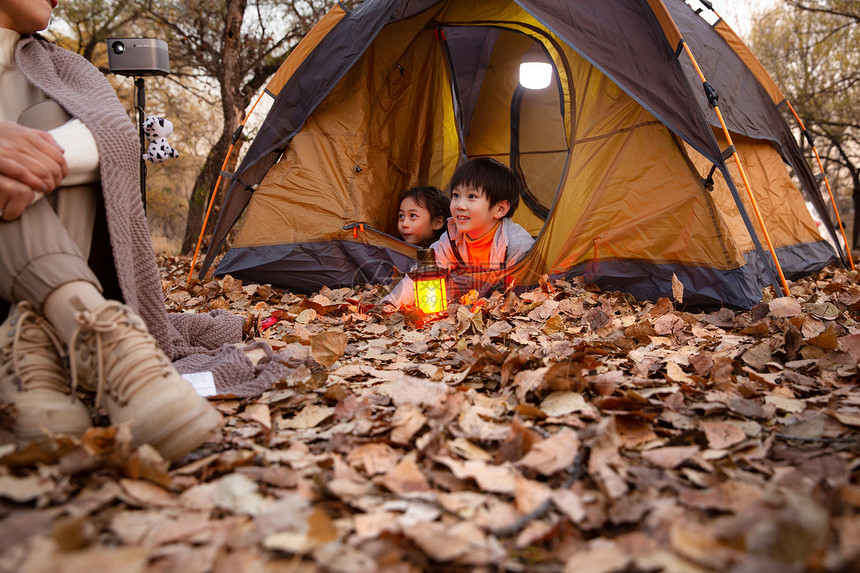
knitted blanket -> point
(193, 342)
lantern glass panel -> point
(430, 295)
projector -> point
(138, 57)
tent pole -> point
(236, 135)
(737, 158)
(829, 190)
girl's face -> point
(415, 224)
(26, 16)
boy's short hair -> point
(495, 179)
(432, 199)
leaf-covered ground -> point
(561, 429)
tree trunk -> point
(202, 191)
(233, 101)
(855, 232)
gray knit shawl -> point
(86, 94)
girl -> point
(422, 214)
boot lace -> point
(126, 356)
(28, 340)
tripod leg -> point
(141, 116)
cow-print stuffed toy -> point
(157, 130)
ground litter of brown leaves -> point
(560, 429)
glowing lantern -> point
(535, 70)
(430, 293)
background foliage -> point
(812, 50)
(222, 52)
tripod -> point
(141, 116)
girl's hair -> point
(432, 199)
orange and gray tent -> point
(627, 176)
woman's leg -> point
(37, 256)
(110, 349)
(37, 260)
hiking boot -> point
(34, 378)
(113, 354)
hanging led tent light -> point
(535, 69)
(430, 284)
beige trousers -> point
(49, 245)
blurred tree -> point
(238, 45)
(90, 22)
(222, 52)
(82, 26)
(812, 49)
(847, 8)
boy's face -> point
(472, 212)
(414, 222)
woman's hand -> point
(30, 162)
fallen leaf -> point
(786, 404)
(318, 530)
(676, 374)
(758, 356)
(849, 417)
(677, 289)
(633, 430)
(826, 340)
(553, 325)
(374, 458)
(599, 556)
(416, 391)
(464, 542)
(530, 494)
(328, 347)
(306, 316)
(564, 403)
(146, 494)
(552, 454)
(824, 310)
(669, 457)
(669, 323)
(728, 496)
(125, 559)
(493, 478)
(851, 345)
(468, 451)
(406, 477)
(237, 493)
(571, 504)
(22, 489)
(406, 421)
(518, 442)
(596, 318)
(699, 544)
(784, 307)
(722, 435)
(310, 417)
(259, 413)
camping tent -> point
(628, 177)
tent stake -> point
(217, 185)
(829, 190)
(741, 170)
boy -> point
(480, 236)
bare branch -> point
(825, 9)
